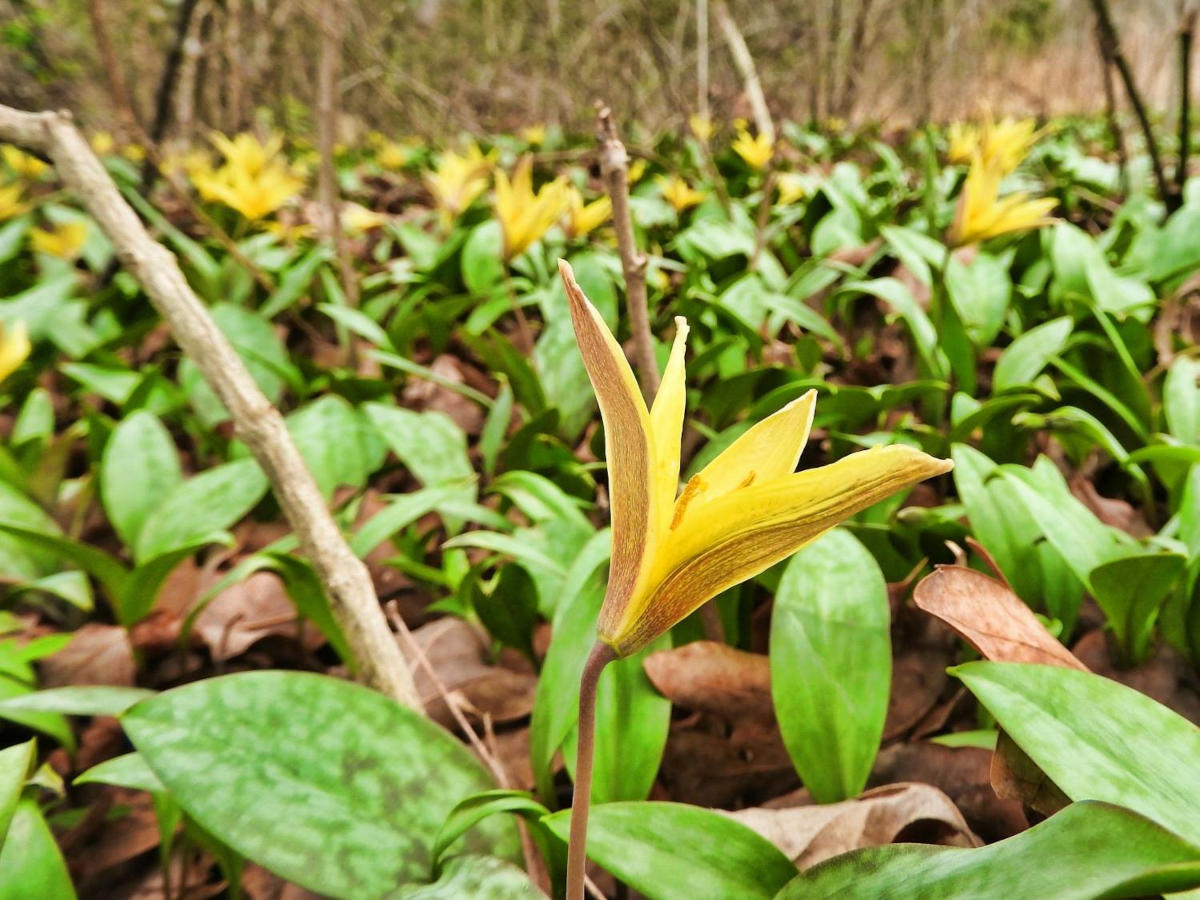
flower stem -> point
(601, 656)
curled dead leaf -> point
(707, 676)
(912, 812)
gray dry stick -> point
(352, 597)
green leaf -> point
(1131, 591)
(362, 782)
(495, 429)
(336, 443)
(509, 610)
(507, 545)
(295, 281)
(482, 257)
(831, 663)
(430, 445)
(30, 862)
(128, 770)
(475, 876)
(52, 724)
(475, 809)
(79, 700)
(1181, 399)
(1025, 358)
(403, 510)
(1064, 720)
(204, 504)
(1087, 850)
(15, 764)
(981, 293)
(672, 850)
(897, 296)
(138, 469)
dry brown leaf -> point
(248, 611)
(922, 648)
(428, 395)
(458, 653)
(990, 617)
(1116, 513)
(909, 812)
(715, 678)
(97, 654)
(1015, 776)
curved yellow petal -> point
(628, 448)
(666, 423)
(737, 536)
(769, 450)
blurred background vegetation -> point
(437, 67)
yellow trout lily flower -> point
(524, 215)
(534, 135)
(983, 214)
(584, 218)
(637, 169)
(678, 192)
(64, 241)
(756, 151)
(1002, 145)
(14, 347)
(22, 164)
(252, 180)
(458, 179)
(357, 219)
(794, 186)
(103, 143)
(746, 510)
(702, 127)
(245, 152)
(964, 142)
(11, 204)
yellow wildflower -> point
(794, 186)
(64, 241)
(1003, 144)
(395, 154)
(534, 135)
(756, 151)
(14, 347)
(746, 510)
(11, 204)
(290, 232)
(678, 193)
(983, 214)
(251, 180)
(134, 152)
(458, 179)
(585, 217)
(20, 163)
(637, 169)
(702, 127)
(524, 215)
(103, 143)
(964, 142)
(357, 219)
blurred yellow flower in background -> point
(755, 150)
(357, 219)
(14, 347)
(983, 214)
(1003, 144)
(583, 218)
(395, 154)
(11, 204)
(252, 180)
(702, 127)
(64, 241)
(20, 163)
(794, 186)
(637, 169)
(678, 192)
(964, 141)
(534, 135)
(103, 143)
(457, 179)
(523, 214)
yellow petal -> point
(737, 536)
(628, 449)
(14, 347)
(769, 450)
(666, 422)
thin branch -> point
(614, 166)
(113, 73)
(1110, 113)
(352, 597)
(702, 60)
(166, 86)
(327, 118)
(1187, 33)
(744, 63)
(1108, 34)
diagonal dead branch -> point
(352, 598)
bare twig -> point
(1108, 34)
(702, 60)
(614, 166)
(1110, 112)
(329, 22)
(113, 72)
(745, 66)
(1187, 33)
(166, 86)
(352, 597)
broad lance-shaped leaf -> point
(1096, 739)
(1087, 850)
(745, 511)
